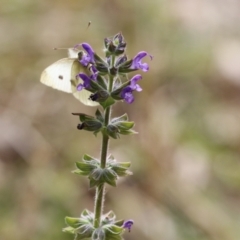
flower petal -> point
(134, 84)
(86, 81)
(128, 224)
(127, 95)
(137, 64)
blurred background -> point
(185, 159)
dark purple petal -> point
(137, 64)
(127, 95)
(133, 83)
(87, 57)
(128, 224)
(86, 81)
(94, 72)
(85, 60)
(89, 50)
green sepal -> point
(89, 123)
(120, 168)
(116, 93)
(75, 222)
(96, 86)
(83, 117)
(102, 82)
(112, 131)
(82, 227)
(113, 229)
(124, 117)
(108, 102)
(113, 232)
(69, 230)
(128, 132)
(119, 223)
(92, 125)
(87, 158)
(125, 67)
(91, 167)
(87, 165)
(119, 125)
(105, 175)
(98, 234)
(99, 60)
(99, 116)
(102, 68)
(100, 96)
(85, 168)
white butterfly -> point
(61, 75)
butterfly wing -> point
(83, 95)
(58, 75)
(61, 75)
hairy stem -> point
(99, 196)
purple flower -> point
(126, 93)
(86, 81)
(87, 57)
(94, 72)
(128, 224)
(137, 64)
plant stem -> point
(99, 196)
